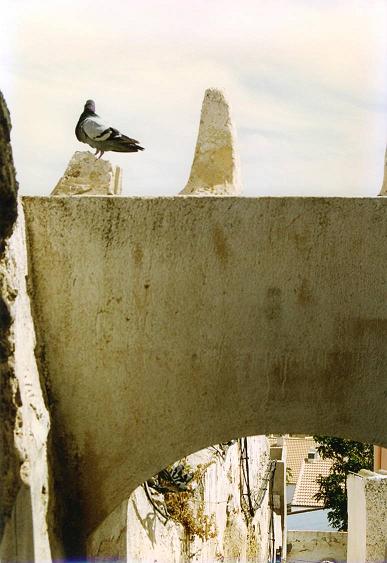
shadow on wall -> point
(17, 542)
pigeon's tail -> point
(122, 144)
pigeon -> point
(91, 129)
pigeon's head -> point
(90, 106)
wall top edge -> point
(201, 198)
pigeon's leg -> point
(101, 154)
(96, 152)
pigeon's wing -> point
(100, 135)
(96, 129)
(128, 139)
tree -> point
(348, 457)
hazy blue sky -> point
(307, 81)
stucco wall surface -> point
(376, 502)
(367, 518)
(26, 534)
(198, 320)
(357, 519)
(317, 546)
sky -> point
(306, 80)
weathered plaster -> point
(367, 518)
(31, 425)
(17, 543)
(9, 392)
(305, 545)
(109, 540)
(201, 319)
(215, 168)
(87, 175)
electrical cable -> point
(149, 497)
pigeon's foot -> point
(98, 151)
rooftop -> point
(297, 450)
(307, 485)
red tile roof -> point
(297, 449)
(307, 485)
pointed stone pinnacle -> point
(86, 175)
(215, 168)
(383, 191)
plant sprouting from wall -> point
(183, 491)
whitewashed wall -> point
(316, 546)
(367, 517)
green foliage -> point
(348, 456)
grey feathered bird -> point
(91, 129)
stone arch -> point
(168, 324)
